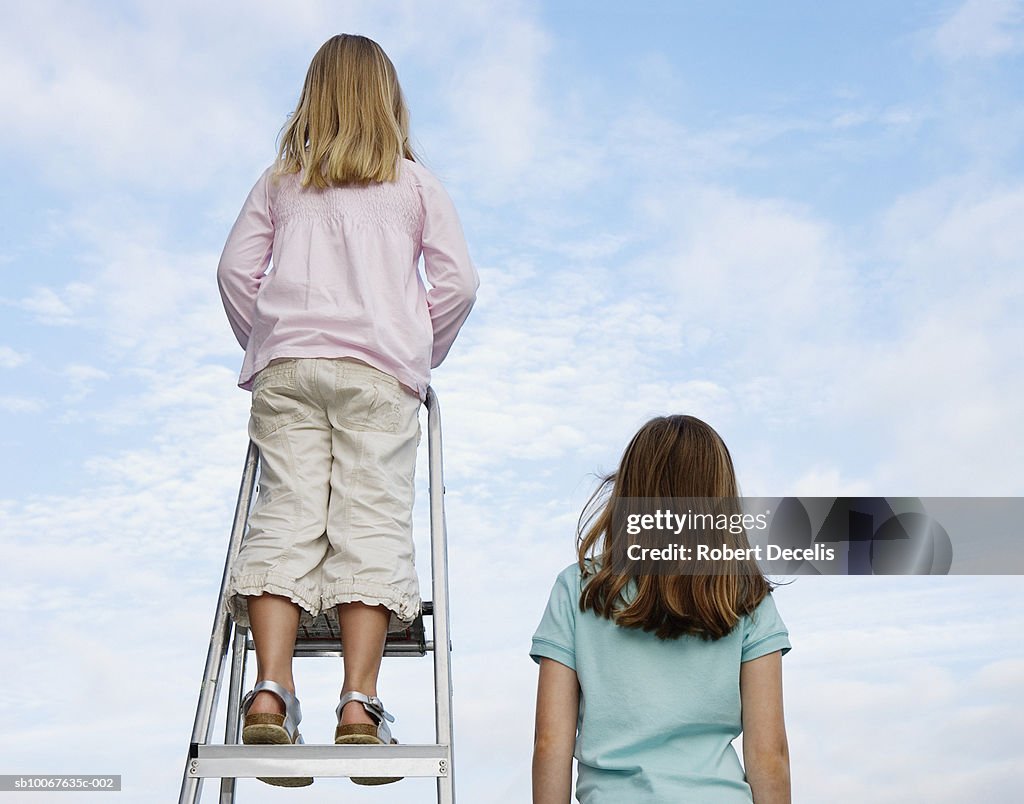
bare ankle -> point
(266, 702)
(355, 712)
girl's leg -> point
(278, 565)
(369, 571)
(273, 621)
(363, 631)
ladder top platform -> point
(322, 637)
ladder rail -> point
(233, 719)
(439, 578)
(202, 728)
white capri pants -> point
(332, 522)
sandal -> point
(364, 733)
(272, 729)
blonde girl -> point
(320, 281)
(648, 678)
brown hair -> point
(351, 125)
(669, 457)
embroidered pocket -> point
(368, 399)
(274, 402)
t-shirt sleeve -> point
(764, 632)
(555, 636)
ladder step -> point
(322, 637)
(248, 761)
(392, 648)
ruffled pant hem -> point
(239, 589)
(404, 606)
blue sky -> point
(800, 223)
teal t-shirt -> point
(657, 717)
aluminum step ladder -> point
(234, 760)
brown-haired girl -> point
(339, 337)
(648, 678)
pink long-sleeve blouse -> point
(344, 280)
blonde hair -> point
(669, 457)
(351, 125)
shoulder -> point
(430, 188)
(565, 591)
(571, 578)
(276, 182)
(417, 173)
(271, 177)
(766, 610)
(278, 176)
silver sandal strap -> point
(374, 708)
(292, 710)
(372, 705)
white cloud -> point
(957, 231)
(743, 265)
(20, 404)
(9, 358)
(48, 306)
(59, 309)
(569, 373)
(153, 301)
(805, 327)
(948, 372)
(496, 104)
(827, 481)
(81, 380)
(189, 104)
(903, 665)
(981, 29)
(141, 106)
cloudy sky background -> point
(801, 223)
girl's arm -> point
(555, 736)
(765, 750)
(449, 269)
(245, 259)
